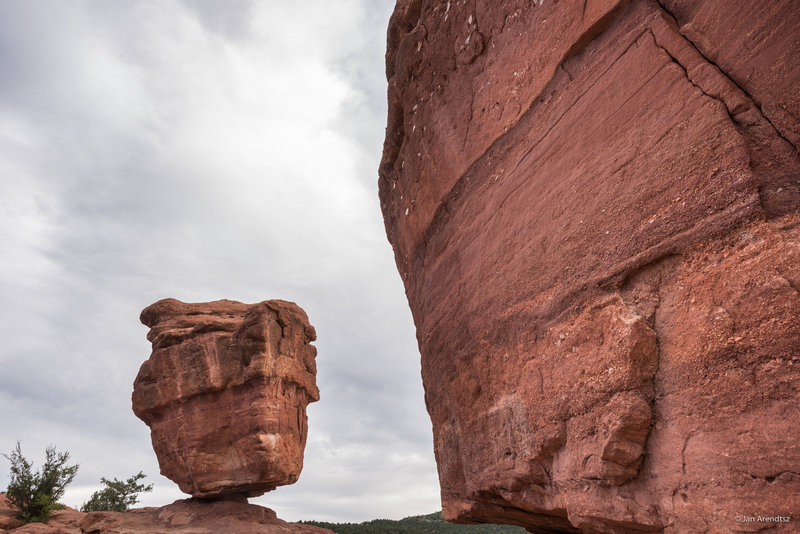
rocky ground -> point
(189, 516)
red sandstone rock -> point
(197, 517)
(190, 515)
(7, 519)
(225, 392)
(596, 215)
(61, 521)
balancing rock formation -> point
(595, 209)
(225, 393)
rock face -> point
(595, 209)
(225, 393)
(184, 516)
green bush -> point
(36, 495)
(117, 496)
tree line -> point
(421, 524)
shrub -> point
(36, 495)
(117, 496)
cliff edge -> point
(595, 210)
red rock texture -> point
(225, 393)
(61, 521)
(184, 516)
(195, 516)
(595, 209)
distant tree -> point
(117, 496)
(36, 495)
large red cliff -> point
(595, 210)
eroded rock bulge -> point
(225, 393)
(594, 211)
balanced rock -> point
(225, 393)
(595, 210)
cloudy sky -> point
(202, 149)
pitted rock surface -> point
(595, 210)
(225, 393)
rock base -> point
(183, 516)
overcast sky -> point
(202, 149)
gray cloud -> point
(202, 150)
(229, 18)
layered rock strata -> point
(595, 210)
(225, 393)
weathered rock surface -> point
(195, 516)
(184, 516)
(595, 209)
(63, 521)
(225, 393)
